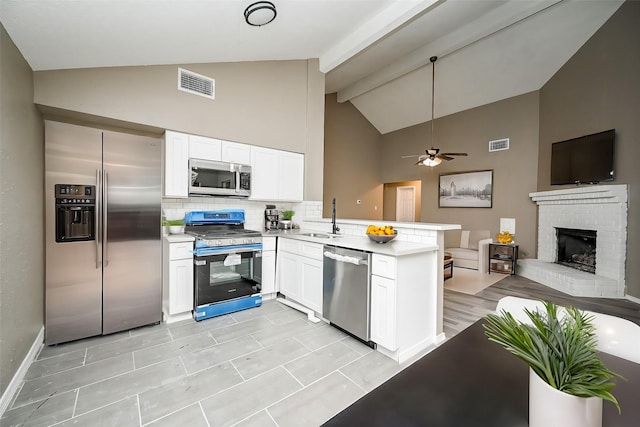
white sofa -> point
(473, 250)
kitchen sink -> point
(321, 235)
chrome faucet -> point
(335, 227)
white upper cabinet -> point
(233, 152)
(276, 175)
(176, 165)
(264, 176)
(290, 176)
(201, 147)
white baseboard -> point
(311, 315)
(12, 388)
(632, 299)
(177, 317)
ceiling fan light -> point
(260, 13)
(431, 162)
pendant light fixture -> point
(260, 13)
(432, 161)
(433, 156)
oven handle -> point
(227, 250)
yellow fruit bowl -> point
(381, 234)
(382, 238)
(505, 237)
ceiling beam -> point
(500, 18)
(385, 22)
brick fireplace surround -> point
(602, 208)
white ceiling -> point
(373, 52)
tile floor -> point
(266, 366)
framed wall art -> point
(466, 189)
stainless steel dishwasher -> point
(347, 290)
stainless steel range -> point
(227, 262)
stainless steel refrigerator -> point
(103, 231)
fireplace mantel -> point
(592, 195)
(599, 207)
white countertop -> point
(179, 238)
(363, 243)
(395, 224)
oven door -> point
(225, 276)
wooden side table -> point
(448, 266)
(503, 258)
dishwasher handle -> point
(345, 258)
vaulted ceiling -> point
(375, 53)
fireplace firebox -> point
(577, 249)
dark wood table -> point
(471, 381)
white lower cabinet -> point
(384, 301)
(290, 276)
(383, 312)
(268, 272)
(181, 288)
(311, 292)
(177, 283)
(300, 272)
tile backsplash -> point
(254, 210)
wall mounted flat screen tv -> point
(584, 160)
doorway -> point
(392, 196)
(406, 204)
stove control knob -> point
(232, 242)
(218, 242)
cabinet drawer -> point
(312, 250)
(290, 245)
(180, 250)
(384, 266)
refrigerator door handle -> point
(105, 201)
(97, 218)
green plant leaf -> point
(559, 347)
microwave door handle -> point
(96, 215)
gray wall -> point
(274, 104)
(596, 90)
(352, 161)
(514, 170)
(354, 149)
(21, 209)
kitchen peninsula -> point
(406, 278)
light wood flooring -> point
(461, 310)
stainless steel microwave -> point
(211, 178)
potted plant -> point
(564, 366)
(175, 226)
(286, 218)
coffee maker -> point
(271, 217)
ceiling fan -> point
(433, 156)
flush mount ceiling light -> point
(260, 13)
